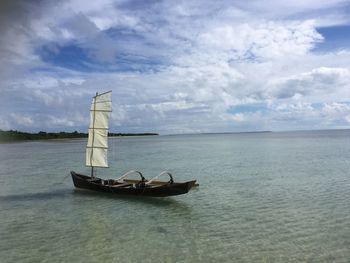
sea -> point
(262, 197)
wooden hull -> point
(112, 187)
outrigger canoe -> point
(140, 187)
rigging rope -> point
(64, 178)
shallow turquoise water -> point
(264, 197)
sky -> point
(191, 66)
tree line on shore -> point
(9, 136)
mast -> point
(93, 137)
(97, 146)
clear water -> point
(269, 197)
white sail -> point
(96, 149)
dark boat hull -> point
(109, 186)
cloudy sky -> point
(176, 66)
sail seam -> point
(102, 101)
(100, 166)
(102, 93)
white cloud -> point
(325, 12)
(73, 120)
(336, 112)
(22, 120)
(321, 81)
(4, 124)
(263, 40)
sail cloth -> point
(96, 149)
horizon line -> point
(194, 133)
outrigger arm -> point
(131, 172)
(162, 173)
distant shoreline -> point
(17, 136)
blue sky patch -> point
(335, 38)
(80, 59)
(70, 57)
(317, 106)
(248, 108)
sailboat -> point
(96, 157)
